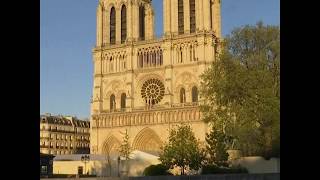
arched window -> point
(111, 64)
(181, 55)
(194, 94)
(192, 6)
(123, 23)
(180, 17)
(141, 23)
(161, 57)
(141, 60)
(112, 26)
(123, 100)
(112, 102)
(182, 95)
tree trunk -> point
(182, 170)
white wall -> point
(256, 164)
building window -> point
(141, 23)
(194, 94)
(112, 26)
(180, 55)
(123, 100)
(180, 17)
(192, 5)
(111, 64)
(152, 91)
(182, 95)
(112, 102)
(44, 170)
(123, 23)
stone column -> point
(99, 26)
(166, 17)
(186, 10)
(199, 14)
(206, 15)
(135, 21)
(174, 16)
(106, 26)
(217, 17)
(129, 21)
(118, 25)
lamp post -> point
(85, 159)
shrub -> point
(156, 170)
(213, 169)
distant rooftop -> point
(64, 120)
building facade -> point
(148, 85)
(64, 135)
(46, 165)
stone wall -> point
(275, 176)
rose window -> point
(152, 91)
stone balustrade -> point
(135, 117)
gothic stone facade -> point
(147, 85)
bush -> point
(156, 170)
(213, 169)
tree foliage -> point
(125, 148)
(156, 170)
(182, 150)
(242, 88)
(217, 147)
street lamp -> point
(85, 159)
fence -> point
(271, 176)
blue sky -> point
(67, 36)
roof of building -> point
(42, 155)
(68, 121)
(77, 157)
(81, 123)
(137, 155)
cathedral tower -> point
(124, 20)
(191, 16)
(148, 85)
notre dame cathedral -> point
(147, 85)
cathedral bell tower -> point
(125, 20)
(190, 16)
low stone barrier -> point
(270, 176)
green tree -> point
(242, 88)
(217, 147)
(182, 150)
(125, 148)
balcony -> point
(44, 137)
(158, 114)
(61, 131)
